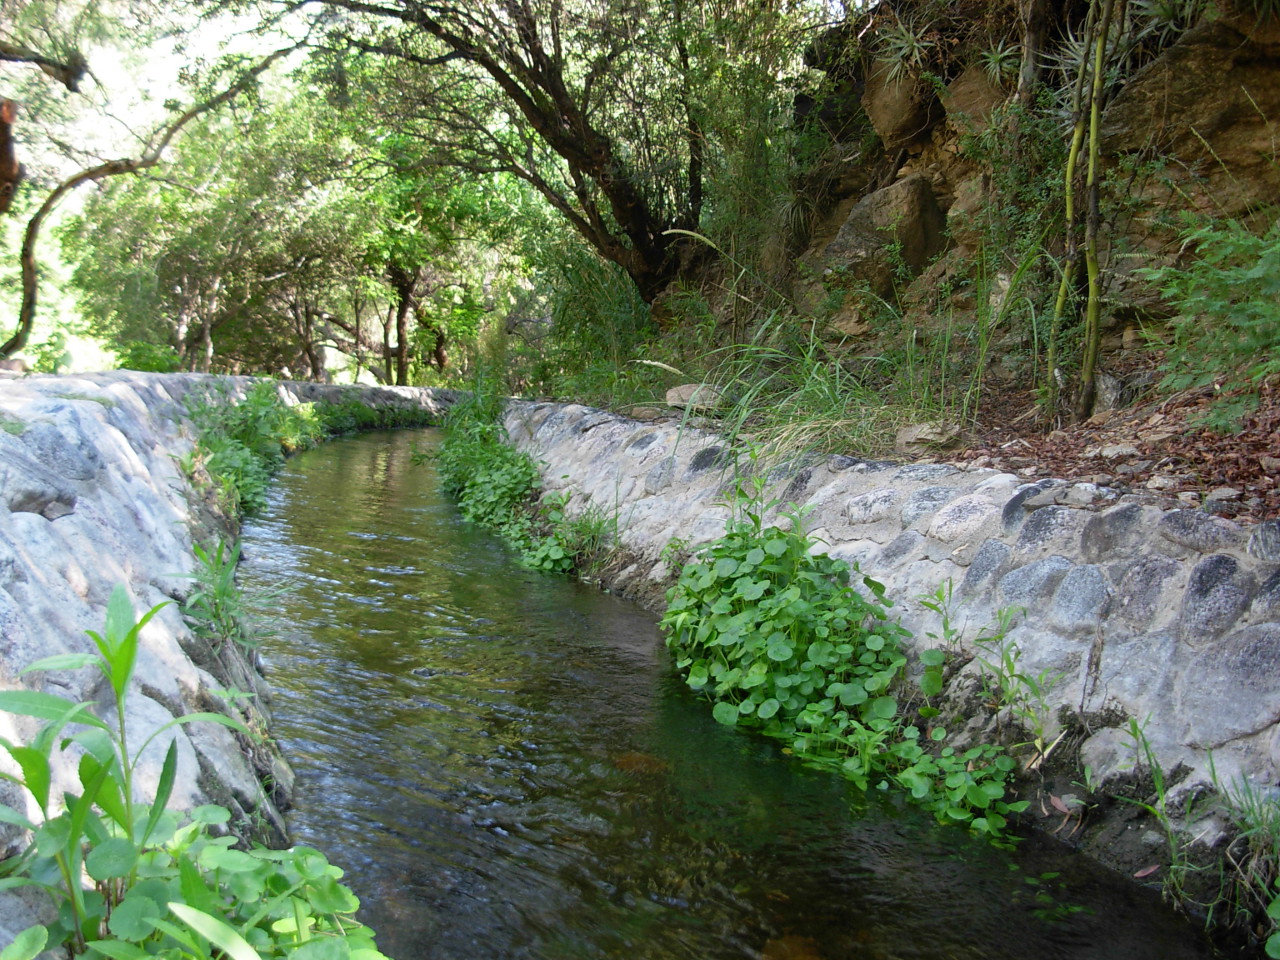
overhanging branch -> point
(152, 156)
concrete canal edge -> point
(92, 496)
(1137, 610)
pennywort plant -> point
(132, 880)
(581, 541)
(496, 486)
(785, 644)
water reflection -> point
(506, 768)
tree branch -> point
(67, 72)
(160, 140)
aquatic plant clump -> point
(783, 643)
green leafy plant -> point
(940, 602)
(491, 480)
(781, 641)
(495, 485)
(1007, 687)
(1227, 333)
(214, 607)
(583, 541)
(146, 356)
(241, 444)
(1002, 682)
(158, 887)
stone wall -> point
(91, 496)
(1138, 609)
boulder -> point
(920, 437)
(902, 109)
(894, 230)
(695, 397)
(970, 98)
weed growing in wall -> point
(783, 643)
(132, 879)
(496, 486)
(215, 607)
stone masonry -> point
(1135, 608)
(92, 496)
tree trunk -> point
(404, 283)
(1093, 219)
(315, 355)
(388, 375)
(441, 357)
(1035, 26)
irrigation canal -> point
(507, 768)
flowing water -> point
(506, 767)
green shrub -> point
(1228, 329)
(242, 444)
(148, 357)
(160, 884)
(784, 644)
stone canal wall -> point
(92, 496)
(1130, 608)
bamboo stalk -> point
(1092, 322)
(1071, 251)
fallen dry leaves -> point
(1153, 447)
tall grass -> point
(790, 393)
(595, 323)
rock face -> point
(1194, 130)
(91, 497)
(887, 238)
(1211, 102)
(1169, 617)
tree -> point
(286, 232)
(590, 102)
(149, 157)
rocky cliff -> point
(938, 185)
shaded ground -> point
(1154, 446)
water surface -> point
(506, 767)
